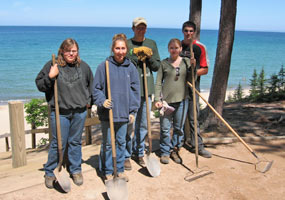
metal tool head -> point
(152, 165)
(263, 165)
(62, 178)
(117, 189)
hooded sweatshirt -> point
(125, 90)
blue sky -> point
(256, 15)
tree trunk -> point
(223, 55)
(195, 15)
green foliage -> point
(43, 142)
(238, 94)
(37, 112)
(262, 90)
(253, 86)
(261, 82)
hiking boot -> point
(127, 164)
(164, 159)
(77, 179)
(49, 181)
(139, 160)
(175, 157)
(204, 153)
(123, 175)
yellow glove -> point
(143, 52)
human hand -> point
(158, 104)
(53, 72)
(108, 104)
(131, 118)
(192, 61)
(143, 52)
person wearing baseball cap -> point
(136, 145)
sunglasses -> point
(177, 70)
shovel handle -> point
(224, 121)
(111, 120)
(57, 118)
(147, 108)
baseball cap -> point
(139, 20)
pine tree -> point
(238, 94)
(281, 77)
(253, 86)
(273, 84)
(261, 83)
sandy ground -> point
(234, 176)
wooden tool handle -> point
(147, 109)
(111, 121)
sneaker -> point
(127, 164)
(175, 157)
(49, 181)
(204, 153)
(77, 179)
(123, 175)
(164, 159)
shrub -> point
(37, 112)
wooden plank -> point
(92, 121)
(17, 129)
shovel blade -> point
(263, 166)
(62, 178)
(152, 165)
(117, 189)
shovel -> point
(117, 187)
(60, 173)
(198, 172)
(262, 165)
(152, 164)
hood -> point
(126, 62)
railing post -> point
(33, 136)
(17, 130)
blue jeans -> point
(178, 117)
(140, 130)
(105, 159)
(71, 126)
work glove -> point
(108, 104)
(131, 118)
(143, 53)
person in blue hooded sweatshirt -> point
(125, 93)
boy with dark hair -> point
(202, 63)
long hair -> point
(65, 46)
(121, 37)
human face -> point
(70, 55)
(120, 51)
(188, 33)
(140, 30)
(174, 49)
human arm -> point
(158, 84)
(154, 61)
(98, 88)
(43, 81)
(134, 90)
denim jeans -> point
(140, 130)
(71, 126)
(105, 158)
(190, 137)
(178, 117)
(129, 140)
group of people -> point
(78, 89)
